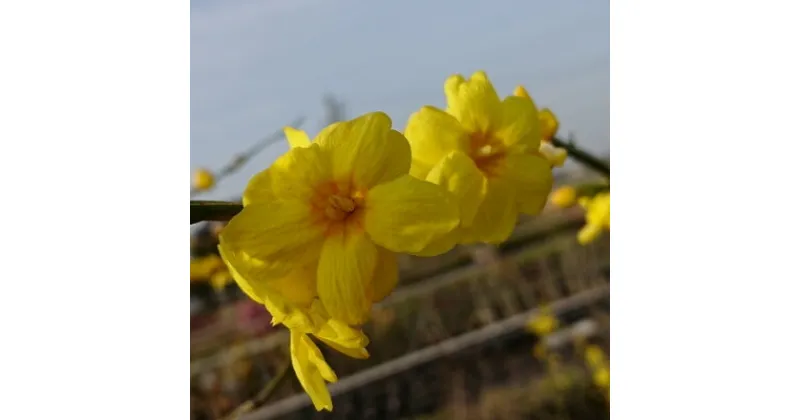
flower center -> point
(487, 152)
(339, 207)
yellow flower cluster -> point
(597, 207)
(317, 239)
(596, 361)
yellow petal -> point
(473, 102)
(555, 155)
(356, 353)
(432, 134)
(531, 178)
(253, 289)
(299, 287)
(326, 131)
(281, 235)
(294, 175)
(549, 124)
(589, 233)
(346, 267)
(520, 124)
(296, 138)
(366, 151)
(316, 358)
(386, 276)
(407, 214)
(443, 244)
(459, 175)
(496, 216)
(344, 339)
(520, 92)
(307, 373)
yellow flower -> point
(602, 378)
(595, 357)
(339, 207)
(203, 268)
(220, 279)
(555, 155)
(484, 151)
(598, 217)
(543, 323)
(203, 179)
(564, 197)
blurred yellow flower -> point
(602, 378)
(203, 268)
(543, 323)
(484, 151)
(220, 279)
(555, 155)
(595, 357)
(564, 197)
(598, 217)
(339, 207)
(203, 180)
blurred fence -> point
(445, 338)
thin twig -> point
(583, 156)
(218, 211)
(241, 159)
(263, 396)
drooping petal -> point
(549, 124)
(308, 373)
(386, 276)
(520, 124)
(296, 138)
(346, 266)
(407, 214)
(366, 151)
(432, 133)
(496, 216)
(473, 102)
(293, 176)
(531, 178)
(457, 173)
(344, 339)
(280, 235)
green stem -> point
(219, 211)
(583, 156)
(263, 396)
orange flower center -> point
(338, 207)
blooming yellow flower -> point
(555, 155)
(203, 179)
(342, 204)
(598, 217)
(485, 151)
(564, 197)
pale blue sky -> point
(257, 64)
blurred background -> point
(453, 341)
